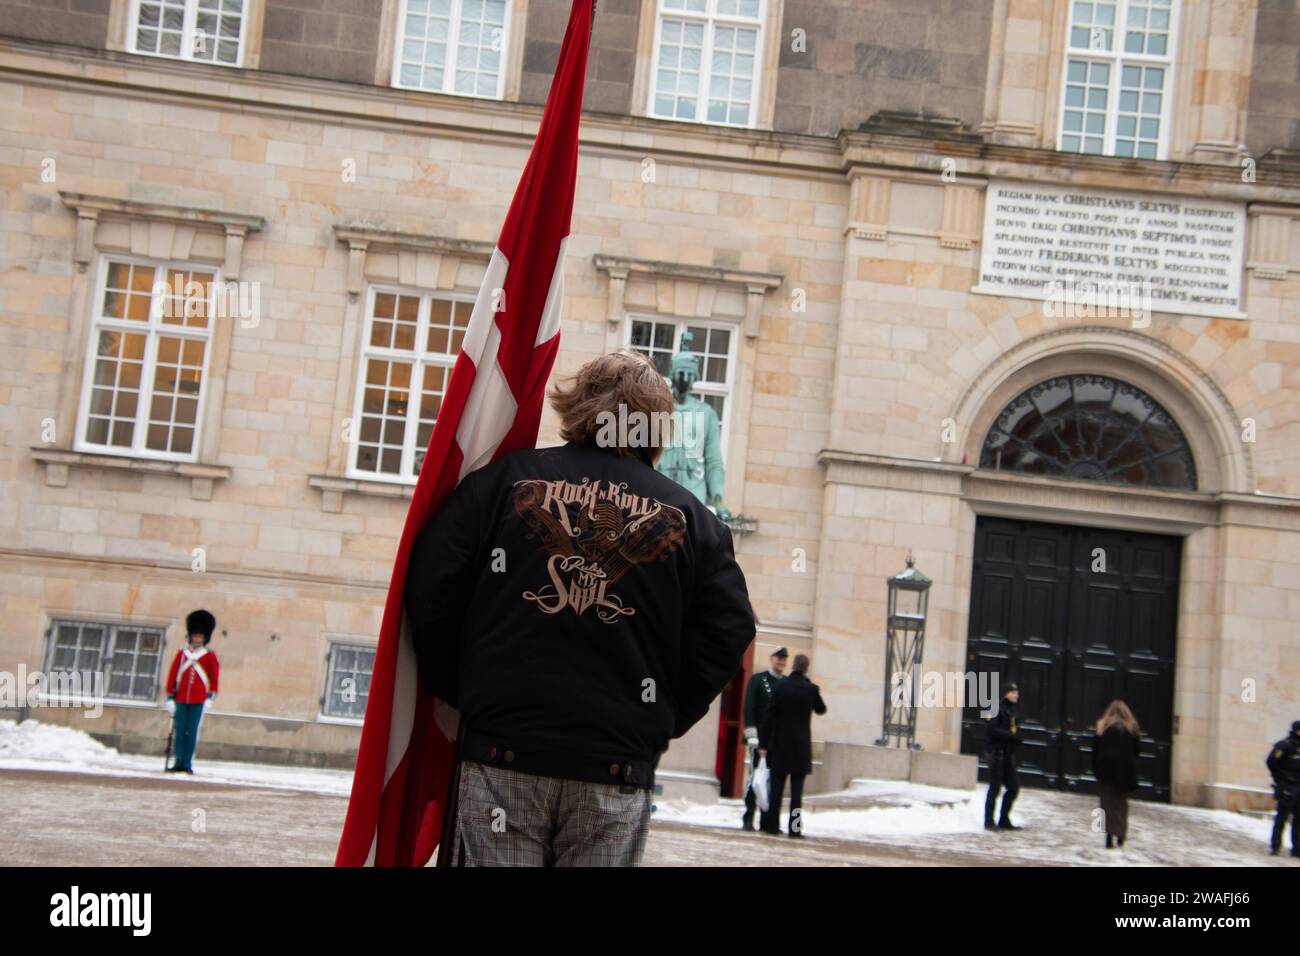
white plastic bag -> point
(758, 783)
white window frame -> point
(188, 33)
(702, 388)
(331, 645)
(1116, 59)
(419, 358)
(110, 629)
(453, 45)
(710, 18)
(151, 330)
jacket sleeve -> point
(171, 674)
(820, 705)
(439, 583)
(1096, 756)
(999, 727)
(751, 704)
(214, 671)
(1275, 758)
(718, 626)
(768, 726)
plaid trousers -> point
(508, 818)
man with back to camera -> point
(580, 610)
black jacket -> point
(1284, 764)
(758, 701)
(1115, 757)
(787, 730)
(1004, 729)
(572, 601)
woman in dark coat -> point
(788, 732)
(1114, 764)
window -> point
(713, 343)
(1090, 428)
(452, 46)
(411, 343)
(126, 657)
(347, 680)
(706, 60)
(1115, 97)
(208, 30)
(147, 360)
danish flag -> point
(406, 761)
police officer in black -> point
(758, 701)
(1284, 765)
(1002, 740)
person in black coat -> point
(788, 735)
(758, 701)
(1000, 746)
(1114, 764)
(1284, 765)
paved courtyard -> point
(73, 818)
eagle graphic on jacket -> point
(594, 534)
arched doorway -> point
(1080, 615)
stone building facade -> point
(823, 220)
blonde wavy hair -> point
(624, 378)
(1117, 712)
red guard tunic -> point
(191, 688)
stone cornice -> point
(367, 236)
(716, 275)
(92, 209)
(885, 151)
(880, 152)
(361, 239)
(620, 268)
(58, 461)
(218, 219)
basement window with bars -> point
(87, 658)
(142, 389)
(347, 680)
(706, 59)
(210, 31)
(452, 46)
(1115, 98)
(411, 343)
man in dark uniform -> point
(1002, 741)
(758, 700)
(788, 737)
(1284, 765)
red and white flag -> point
(492, 407)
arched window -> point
(1090, 428)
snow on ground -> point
(880, 821)
(1058, 827)
(33, 745)
(908, 809)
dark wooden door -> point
(1077, 617)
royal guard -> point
(758, 701)
(191, 683)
